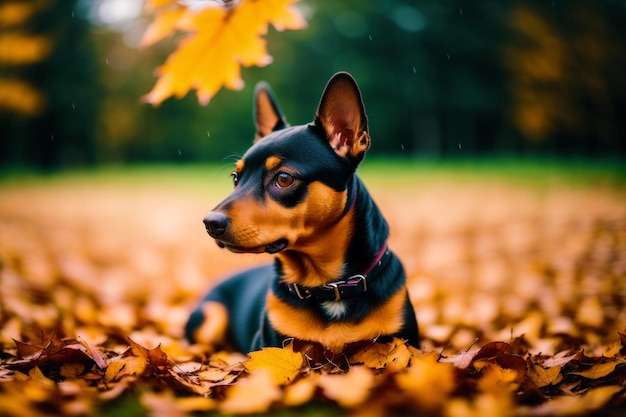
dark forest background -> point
(440, 79)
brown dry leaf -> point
(575, 404)
(483, 405)
(284, 365)
(124, 366)
(496, 380)
(301, 391)
(462, 360)
(394, 355)
(612, 350)
(430, 381)
(543, 377)
(561, 360)
(350, 389)
(254, 394)
(600, 370)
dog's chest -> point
(335, 309)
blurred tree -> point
(565, 71)
(47, 85)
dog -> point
(334, 281)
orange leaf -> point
(254, 394)
(543, 377)
(462, 360)
(283, 365)
(301, 391)
(431, 382)
(394, 355)
(349, 389)
(599, 370)
(130, 365)
(223, 40)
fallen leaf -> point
(543, 377)
(350, 389)
(495, 379)
(254, 394)
(462, 360)
(123, 366)
(429, 381)
(283, 364)
(600, 370)
(301, 391)
(573, 405)
(394, 355)
(560, 360)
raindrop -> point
(414, 70)
(52, 136)
(461, 12)
(402, 146)
(448, 55)
(370, 37)
(208, 134)
(459, 145)
(106, 60)
(179, 154)
(73, 106)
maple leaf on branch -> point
(221, 39)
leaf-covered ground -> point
(518, 280)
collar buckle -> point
(351, 282)
(295, 288)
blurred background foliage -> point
(441, 80)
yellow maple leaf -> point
(282, 364)
(163, 25)
(222, 39)
(155, 4)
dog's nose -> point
(215, 223)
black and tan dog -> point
(334, 281)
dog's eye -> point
(235, 178)
(284, 180)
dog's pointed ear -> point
(267, 115)
(342, 116)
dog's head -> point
(293, 182)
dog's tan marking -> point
(302, 324)
(318, 238)
(272, 162)
(239, 165)
(213, 328)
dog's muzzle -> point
(215, 224)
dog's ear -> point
(342, 116)
(267, 115)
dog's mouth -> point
(277, 246)
(273, 247)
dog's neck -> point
(347, 248)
